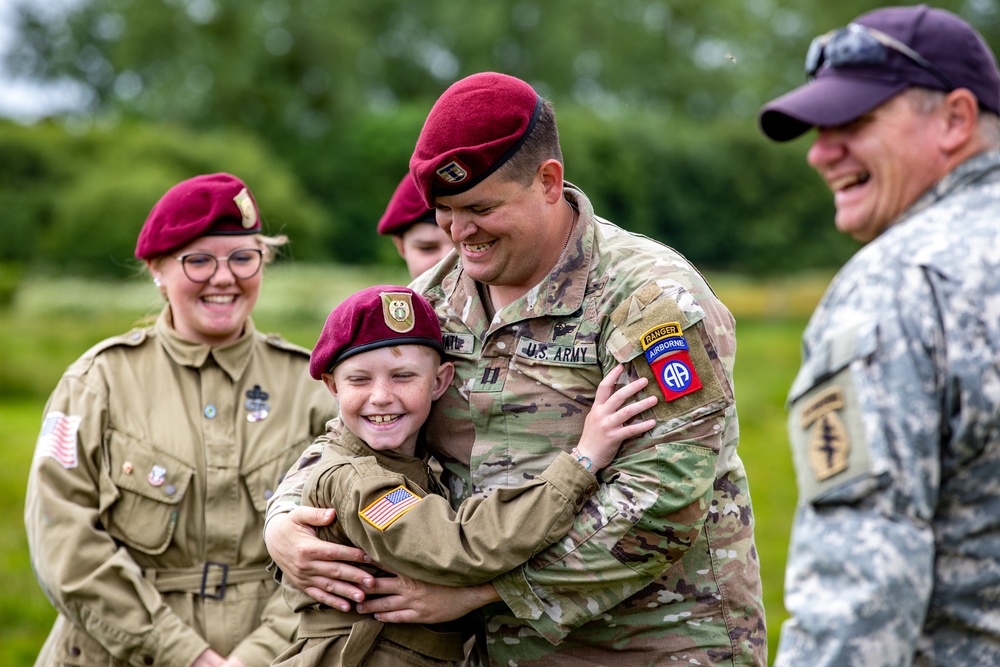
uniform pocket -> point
(572, 380)
(263, 478)
(150, 485)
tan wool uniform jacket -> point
(428, 540)
(145, 501)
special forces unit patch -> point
(829, 441)
(668, 356)
(828, 438)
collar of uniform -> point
(413, 468)
(558, 294)
(977, 167)
(232, 358)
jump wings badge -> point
(667, 353)
(828, 442)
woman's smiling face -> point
(214, 312)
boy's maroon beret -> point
(372, 318)
(212, 204)
(476, 125)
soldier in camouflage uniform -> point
(541, 301)
(895, 413)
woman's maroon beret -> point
(212, 204)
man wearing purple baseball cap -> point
(542, 299)
(895, 413)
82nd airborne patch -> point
(667, 353)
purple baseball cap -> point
(841, 93)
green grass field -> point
(51, 322)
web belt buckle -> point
(222, 586)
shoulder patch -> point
(57, 439)
(672, 353)
(828, 442)
(389, 507)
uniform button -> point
(268, 493)
(591, 488)
(147, 660)
(210, 411)
(170, 490)
(74, 651)
(579, 500)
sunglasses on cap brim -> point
(856, 44)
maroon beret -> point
(375, 317)
(476, 125)
(405, 208)
(208, 205)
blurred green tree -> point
(666, 92)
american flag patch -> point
(389, 507)
(58, 438)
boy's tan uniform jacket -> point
(147, 492)
(430, 541)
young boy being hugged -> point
(380, 354)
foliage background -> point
(317, 104)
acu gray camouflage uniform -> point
(895, 425)
(660, 566)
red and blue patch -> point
(667, 352)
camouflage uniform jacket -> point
(660, 564)
(425, 539)
(895, 428)
(156, 457)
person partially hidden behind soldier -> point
(895, 412)
(413, 228)
(380, 354)
(542, 299)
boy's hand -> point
(606, 426)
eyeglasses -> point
(199, 267)
(860, 45)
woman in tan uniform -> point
(159, 449)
